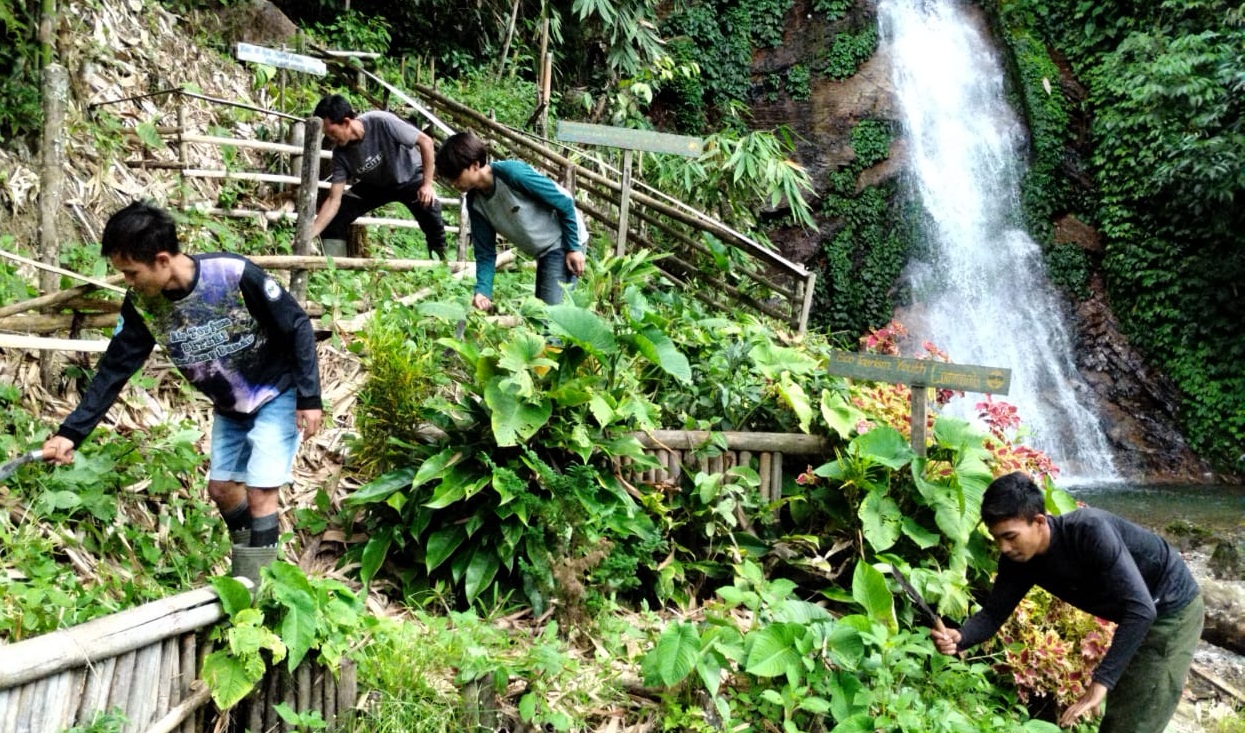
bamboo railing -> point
(144, 663)
(683, 452)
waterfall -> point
(981, 293)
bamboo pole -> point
(51, 323)
(52, 299)
(313, 139)
(140, 710)
(109, 636)
(48, 268)
(183, 711)
(792, 443)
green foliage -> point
(768, 21)
(1167, 140)
(872, 235)
(848, 51)
(737, 174)
(112, 721)
(1069, 267)
(717, 36)
(118, 503)
(22, 113)
(832, 9)
(761, 652)
(292, 615)
(798, 82)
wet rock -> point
(1226, 562)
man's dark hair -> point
(457, 154)
(139, 232)
(335, 108)
(1010, 497)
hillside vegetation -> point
(473, 523)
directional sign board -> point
(281, 59)
(920, 374)
(628, 139)
(923, 372)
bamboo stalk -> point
(347, 687)
(187, 671)
(61, 271)
(183, 711)
(167, 680)
(119, 690)
(51, 299)
(794, 443)
(106, 637)
(51, 323)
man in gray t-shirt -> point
(385, 159)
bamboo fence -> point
(684, 452)
(143, 663)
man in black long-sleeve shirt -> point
(1106, 566)
(240, 339)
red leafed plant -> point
(1051, 649)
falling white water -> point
(983, 295)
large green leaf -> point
(457, 484)
(480, 571)
(674, 656)
(793, 394)
(885, 445)
(584, 328)
(657, 347)
(374, 553)
(773, 360)
(378, 489)
(846, 646)
(881, 520)
(227, 677)
(514, 420)
(841, 416)
(298, 628)
(435, 466)
(870, 591)
(232, 594)
(441, 544)
(773, 650)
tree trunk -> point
(51, 182)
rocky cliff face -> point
(1139, 407)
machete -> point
(917, 599)
(10, 467)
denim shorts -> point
(257, 450)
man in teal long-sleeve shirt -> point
(511, 198)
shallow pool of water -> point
(1215, 508)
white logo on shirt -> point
(272, 289)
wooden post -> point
(542, 93)
(918, 419)
(314, 133)
(624, 204)
(52, 179)
(464, 228)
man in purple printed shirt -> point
(240, 339)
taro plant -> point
(512, 497)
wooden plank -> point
(140, 712)
(119, 690)
(31, 705)
(187, 670)
(925, 372)
(629, 139)
(304, 687)
(183, 711)
(98, 685)
(790, 443)
(347, 687)
(765, 474)
(12, 698)
(168, 687)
